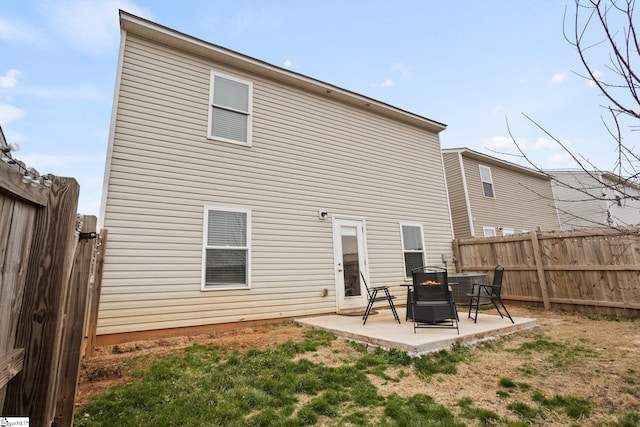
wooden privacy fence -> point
(46, 256)
(591, 271)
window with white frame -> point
(508, 231)
(412, 247)
(226, 248)
(487, 181)
(230, 109)
(489, 231)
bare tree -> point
(591, 27)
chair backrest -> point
(369, 294)
(498, 273)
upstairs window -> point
(487, 181)
(226, 251)
(230, 109)
(412, 247)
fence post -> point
(39, 330)
(75, 315)
(456, 255)
(540, 269)
(94, 297)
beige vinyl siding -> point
(629, 211)
(457, 199)
(576, 209)
(309, 153)
(522, 201)
(581, 204)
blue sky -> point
(469, 64)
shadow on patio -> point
(383, 331)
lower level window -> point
(489, 231)
(226, 249)
(412, 247)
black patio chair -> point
(372, 295)
(431, 300)
(488, 292)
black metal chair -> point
(372, 295)
(488, 292)
(431, 300)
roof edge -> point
(176, 39)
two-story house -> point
(592, 199)
(236, 190)
(492, 197)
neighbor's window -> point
(487, 181)
(489, 231)
(226, 251)
(230, 110)
(412, 247)
(508, 231)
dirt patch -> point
(607, 374)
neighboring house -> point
(491, 197)
(588, 199)
(236, 190)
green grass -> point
(286, 385)
(559, 355)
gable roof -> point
(169, 37)
(496, 162)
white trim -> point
(112, 132)
(446, 192)
(493, 230)
(249, 112)
(466, 194)
(205, 225)
(424, 249)
(342, 304)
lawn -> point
(574, 370)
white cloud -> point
(544, 144)
(597, 74)
(19, 31)
(386, 83)
(561, 159)
(9, 113)
(500, 141)
(79, 92)
(559, 77)
(10, 80)
(404, 70)
(498, 108)
(89, 25)
(287, 63)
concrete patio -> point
(383, 331)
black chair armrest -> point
(480, 286)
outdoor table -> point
(464, 283)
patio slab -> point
(383, 331)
